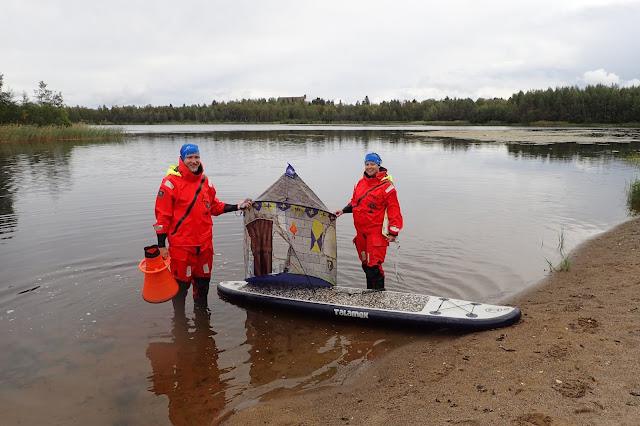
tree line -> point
(594, 104)
(47, 108)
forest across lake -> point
(568, 105)
(588, 106)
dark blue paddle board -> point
(361, 305)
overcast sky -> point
(162, 52)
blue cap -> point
(188, 149)
(373, 157)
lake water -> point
(482, 222)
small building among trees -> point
(292, 98)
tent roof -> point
(292, 190)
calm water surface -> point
(482, 220)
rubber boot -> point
(375, 278)
(179, 299)
(201, 292)
(365, 268)
(378, 282)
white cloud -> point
(603, 77)
(600, 77)
(196, 51)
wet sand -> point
(571, 360)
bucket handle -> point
(167, 261)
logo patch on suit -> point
(160, 193)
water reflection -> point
(279, 354)
(299, 137)
(563, 152)
(39, 166)
(569, 151)
(286, 354)
(8, 219)
(185, 369)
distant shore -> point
(537, 136)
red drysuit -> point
(372, 198)
(184, 205)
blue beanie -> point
(373, 157)
(188, 149)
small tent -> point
(290, 236)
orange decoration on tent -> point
(293, 229)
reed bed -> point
(633, 188)
(633, 197)
(77, 132)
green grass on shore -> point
(77, 132)
(633, 188)
(633, 197)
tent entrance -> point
(261, 233)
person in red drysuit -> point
(374, 201)
(185, 203)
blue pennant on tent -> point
(291, 172)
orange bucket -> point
(159, 285)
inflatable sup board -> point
(362, 305)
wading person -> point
(185, 203)
(374, 200)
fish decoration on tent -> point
(290, 235)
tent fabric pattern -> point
(301, 240)
(294, 191)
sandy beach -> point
(571, 360)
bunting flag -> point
(268, 206)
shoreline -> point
(570, 360)
(537, 136)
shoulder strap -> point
(365, 194)
(195, 197)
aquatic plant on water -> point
(633, 189)
(565, 262)
(633, 197)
